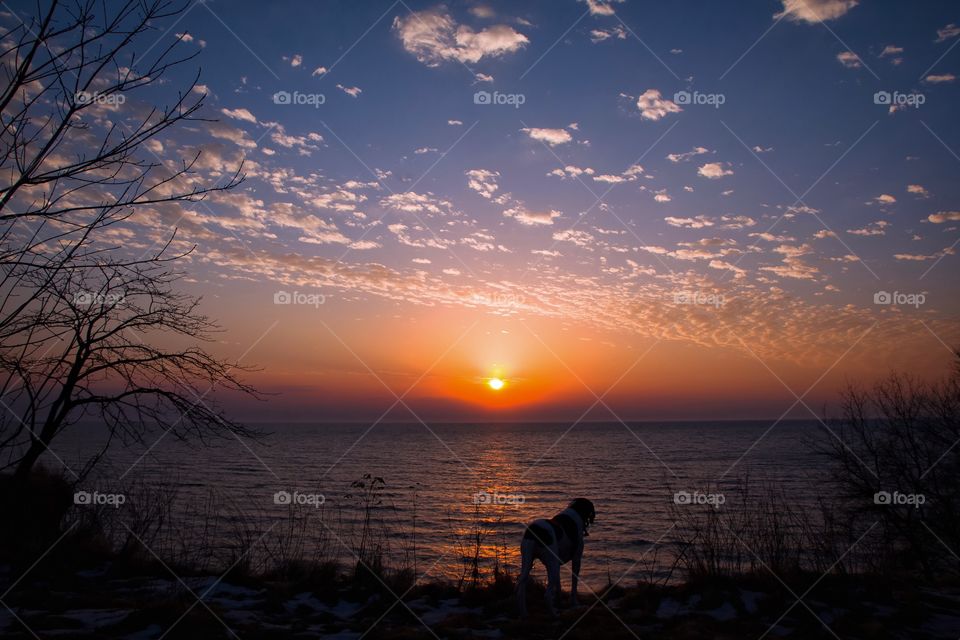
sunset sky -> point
(656, 210)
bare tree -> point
(86, 327)
(895, 462)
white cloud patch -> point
(601, 7)
(434, 37)
(944, 216)
(714, 171)
(877, 228)
(849, 59)
(412, 202)
(483, 181)
(653, 106)
(239, 114)
(599, 35)
(940, 78)
(948, 32)
(552, 137)
(815, 11)
(571, 171)
(353, 92)
(531, 218)
(683, 157)
(918, 190)
(698, 222)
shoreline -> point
(138, 597)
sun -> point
(496, 383)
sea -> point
(442, 500)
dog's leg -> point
(526, 564)
(553, 584)
(575, 565)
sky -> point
(624, 210)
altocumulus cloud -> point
(814, 11)
(433, 36)
(654, 106)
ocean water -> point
(443, 483)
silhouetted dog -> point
(555, 542)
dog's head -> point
(585, 510)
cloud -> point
(571, 171)
(714, 171)
(689, 223)
(434, 37)
(353, 92)
(654, 107)
(918, 190)
(948, 251)
(579, 238)
(482, 11)
(423, 150)
(683, 157)
(483, 181)
(304, 144)
(531, 218)
(483, 77)
(412, 202)
(609, 178)
(814, 11)
(601, 7)
(769, 237)
(295, 60)
(793, 267)
(949, 31)
(891, 50)
(944, 216)
(849, 59)
(877, 228)
(319, 71)
(553, 137)
(940, 79)
(455, 123)
(885, 198)
(239, 114)
(737, 222)
(599, 35)
(723, 265)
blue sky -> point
(599, 208)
